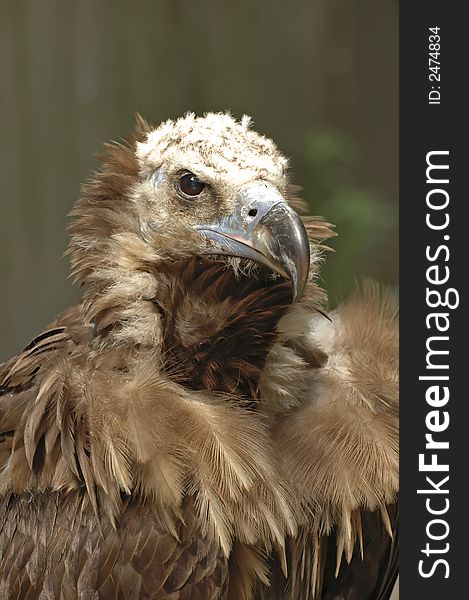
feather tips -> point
(134, 431)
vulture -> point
(198, 426)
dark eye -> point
(190, 186)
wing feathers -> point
(339, 444)
(153, 437)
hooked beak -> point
(265, 229)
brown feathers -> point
(340, 446)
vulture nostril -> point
(252, 212)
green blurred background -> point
(318, 76)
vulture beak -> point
(263, 228)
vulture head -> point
(185, 235)
(220, 187)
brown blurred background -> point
(318, 76)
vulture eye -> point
(190, 186)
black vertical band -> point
(434, 266)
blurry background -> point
(318, 76)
